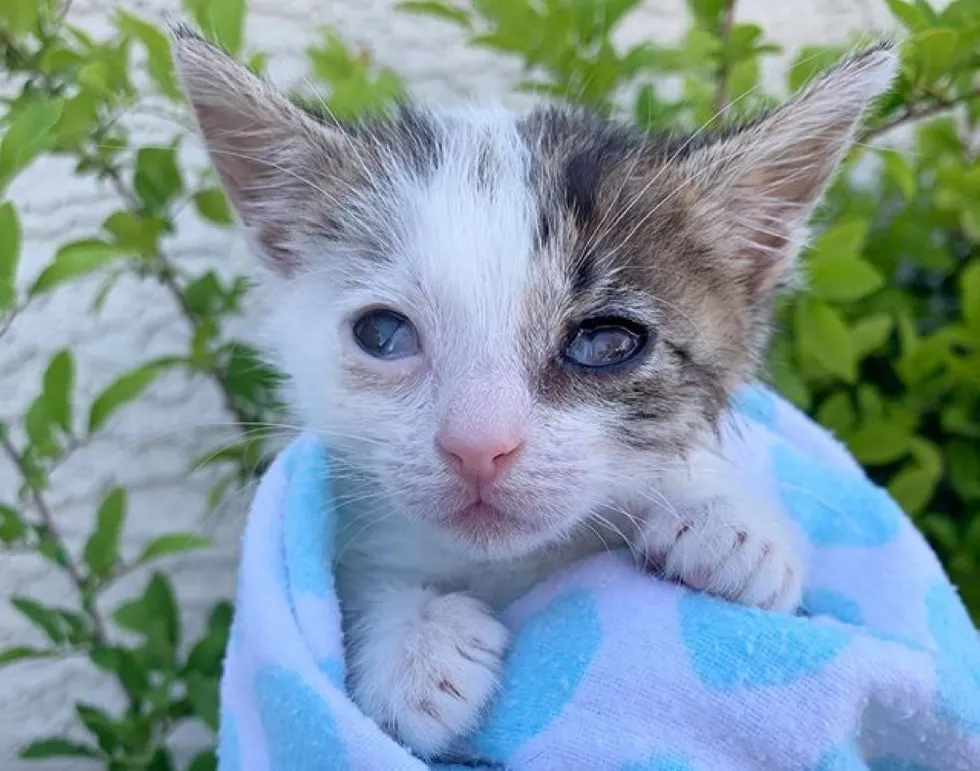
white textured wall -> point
(147, 448)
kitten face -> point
(501, 323)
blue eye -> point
(604, 343)
(386, 335)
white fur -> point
(418, 598)
(423, 658)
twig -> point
(723, 73)
(48, 519)
(165, 275)
(918, 111)
(8, 322)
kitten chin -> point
(516, 332)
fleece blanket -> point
(613, 669)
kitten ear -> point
(264, 148)
(767, 177)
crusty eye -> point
(606, 342)
(385, 334)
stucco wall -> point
(149, 446)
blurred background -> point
(135, 415)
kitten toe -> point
(438, 681)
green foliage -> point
(883, 346)
(70, 92)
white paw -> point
(751, 560)
(431, 685)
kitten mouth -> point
(483, 523)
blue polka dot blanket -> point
(613, 669)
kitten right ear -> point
(264, 148)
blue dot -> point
(842, 758)
(834, 507)
(309, 520)
(300, 731)
(757, 404)
(958, 664)
(896, 764)
(333, 669)
(735, 647)
(229, 755)
(820, 602)
(547, 662)
(670, 762)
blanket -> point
(613, 669)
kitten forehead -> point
(466, 234)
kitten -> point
(519, 334)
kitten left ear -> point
(767, 177)
(274, 160)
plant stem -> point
(165, 275)
(48, 519)
(723, 73)
(917, 111)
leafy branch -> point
(723, 72)
(52, 535)
(928, 107)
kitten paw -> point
(716, 552)
(433, 684)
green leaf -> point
(75, 260)
(28, 135)
(970, 296)
(810, 62)
(173, 543)
(208, 652)
(59, 379)
(203, 693)
(900, 171)
(837, 413)
(913, 488)
(212, 204)
(707, 13)
(46, 619)
(912, 18)
(871, 333)
(18, 16)
(124, 390)
(822, 333)
(843, 279)
(880, 443)
(845, 239)
(126, 665)
(159, 600)
(930, 52)
(443, 11)
(101, 725)
(221, 21)
(155, 616)
(204, 761)
(10, 241)
(159, 63)
(56, 747)
(157, 179)
(40, 429)
(12, 527)
(102, 548)
(24, 653)
(135, 231)
(964, 469)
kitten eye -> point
(386, 335)
(601, 343)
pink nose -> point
(480, 458)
